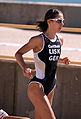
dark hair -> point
(51, 13)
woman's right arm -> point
(32, 44)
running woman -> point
(47, 49)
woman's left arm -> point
(64, 60)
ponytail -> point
(42, 25)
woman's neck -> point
(51, 35)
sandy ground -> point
(12, 39)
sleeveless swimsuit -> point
(46, 63)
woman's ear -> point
(48, 21)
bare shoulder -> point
(36, 43)
(36, 39)
(33, 44)
(61, 38)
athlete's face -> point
(57, 23)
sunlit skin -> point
(54, 27)
(41, 101)
(36, 44)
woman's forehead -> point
(60, 16)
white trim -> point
(50, 39)
(38, 83)
(52, 89)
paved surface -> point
(12, 39)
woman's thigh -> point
(40, 101)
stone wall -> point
(13, 91)
(29, 13)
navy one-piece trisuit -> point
(46, 63)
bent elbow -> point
(17, 54)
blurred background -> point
(17, 25)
